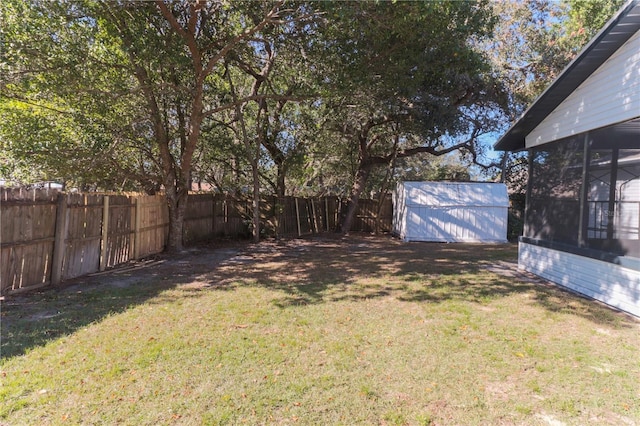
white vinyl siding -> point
(609, 283)
(610, 95)
(451, 212)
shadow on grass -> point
(33, 319)
(304, 271)
(360, 267)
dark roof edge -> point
(513, 139)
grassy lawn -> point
(326, 331)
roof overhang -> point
(614, 34)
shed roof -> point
(614, 34)
(455, 194)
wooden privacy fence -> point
(48, 236)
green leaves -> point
(143, 87)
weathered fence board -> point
(48, 236)
(153, 226)
(229, 217)
(82, 249)
(373, 216)
(27, 231)
(199, 218)
(119, 243)
(289, 218)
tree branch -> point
(188, 36)
(273, 13)
(422, 149)
(32, 103)
(258, 97)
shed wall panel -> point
(451, 212)
(609, 283)
(610, 95)
(456, 224)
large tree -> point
(167, 57)
(126, 94)
(183, 89)
(533, 42)
(531, 45)
(407, 79)
(50, 130)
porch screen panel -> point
(614, 200)
(553, 207)
(627, 218)
(601, 219)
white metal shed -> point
(450, 211)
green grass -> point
(344, 331)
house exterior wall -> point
(610, 95)
(612, 284)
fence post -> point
(213, 215)
(136, 228)
(225, 216)
(315, 218)
(326, 213)
(59, 244)
(104, 246)
(298, 216)
(310, 217)
(276, 216)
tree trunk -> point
(385, 183)
(356, 190)
(178, 181)
(256, 201)
(280, 179)
(504, 162)
(279, 199)
(177, 196)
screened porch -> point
(584, 193)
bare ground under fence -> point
(48, 236)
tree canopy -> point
(274, 97)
